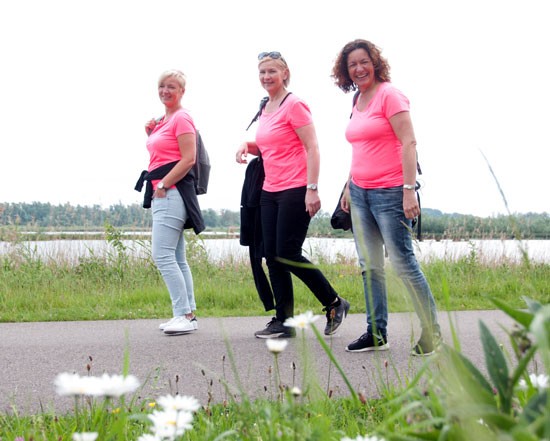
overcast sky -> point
(79, 80)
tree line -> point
(435, 224)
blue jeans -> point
(379, 220)
(285, 222)
(168, 248)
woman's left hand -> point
(313, 203)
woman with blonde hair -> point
(172, 148)
(287, 141)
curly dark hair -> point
(340, 70)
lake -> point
(315, 248)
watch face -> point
(312, 186)
(160, 185)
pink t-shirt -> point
(376, 151)
(283, 154)
(162, 143)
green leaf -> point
(496, 366)
(522, 317)
(537, 406)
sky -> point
(79, 80)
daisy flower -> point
(301, 321)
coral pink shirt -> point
(162, 143)
(376, 151)
(283, 154)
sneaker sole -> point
(423, 354)
(277, 335)
(178, 332)
(371, 348)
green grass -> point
(117, 286)
(447, 399)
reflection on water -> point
(317, 249)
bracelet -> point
(408, 187)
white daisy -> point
(170, 423)
(301, 321)
(117, 385)
(85, 436)
(179, 402)
(276, 346)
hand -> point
(159, 193)
(150, 125)
(344, 201)
(410, 204)
(313, 203)
(242, 153)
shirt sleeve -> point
(183, 124)
(395, 102)
(299, 114)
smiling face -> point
(170, 92)
(361, 69)
(273, 75)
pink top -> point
(283, 154)
(162, 143)
(376, 151)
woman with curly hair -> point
(380, 193)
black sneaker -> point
(335, 316)
(369, 342)
(276, 329)
(427, 345)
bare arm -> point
(308, 137)
(403, 129)
(244, 149)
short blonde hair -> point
(174, 73)
(282, 63)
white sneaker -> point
(195, 323)
(179, 326)
(162, 326)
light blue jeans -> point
(379, 220)
(168, 246)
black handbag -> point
(340, 220)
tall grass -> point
(119, 285)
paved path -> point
(199, 364)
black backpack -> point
(201, 169)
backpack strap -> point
(263, 103)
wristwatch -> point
(312, 187)
(409, 187)
(160, 186)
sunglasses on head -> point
(275, 55)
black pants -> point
(284, 227)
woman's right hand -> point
(150, 125)
(344, 201)
(242, 153)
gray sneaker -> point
(276, 329)
(428, 344)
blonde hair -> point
(282, 63)
(173, 73)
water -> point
(330, 250)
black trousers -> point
(284, 228)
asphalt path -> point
(219, 361)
